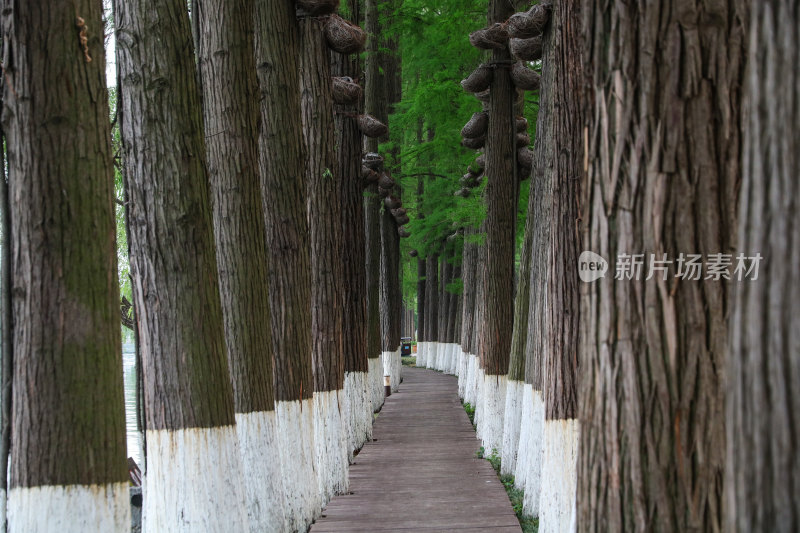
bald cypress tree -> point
(501, 201)
(231, 112)
(327, 293)
(283, 187)
(194, 471)
(68, 436)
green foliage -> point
(409, 361)
(471, 414)
(425, 127)
(123, 266)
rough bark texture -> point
(519, 335)
(231, 113)
(432, 298)
(372, 229)
(469, 269)
(663, 162)
(501, 203)
(282, 170)
(354, 283)
(6, 325)
(324, 201)
(68, 413)
(374, 104)
(173, 262)
(561, 97)
(763, 404)
(391, 304)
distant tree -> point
(68, 433)
(375, 105)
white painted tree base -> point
(263, 479)
(433, 352)
(330, 444)
(479, 407)
(422, 356)
(449, 354)
(493, 400)
(194, 481)
(512, 418)
(375, 378)
(456, 360)
(359, 410)
(296, 446)
(392, 367)
(559, 475)
(463, 366)
(69, 508)
(471, 383)
(530, 457)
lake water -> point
(129, 374)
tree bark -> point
(6, 333)
(282, 170)
(189, 398)
(230, 103)
(230, 97)
(324, 200)
(374, 104)
(283, 192)
(432, 299)
(663, 172)
(501, 203)
(762, 404)
(68, 423)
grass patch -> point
(515, 495)
(471, 414)
(409, 361)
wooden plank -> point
(420, 473)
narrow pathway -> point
(420, 473)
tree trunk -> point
(283, 191)
(230, 102)
(561, 157)
(68, 433)
(327, 293)
(6, 333)
(354, 283)
(420, 329)
(432, 312)
(663, 163)
(763, 405)
(374, 104)
(389, 298)
(528, 473)
(468, 362)
(446, 270)
(515, 389)
(501, 203)
(189, 399)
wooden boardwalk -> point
(420, 473)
